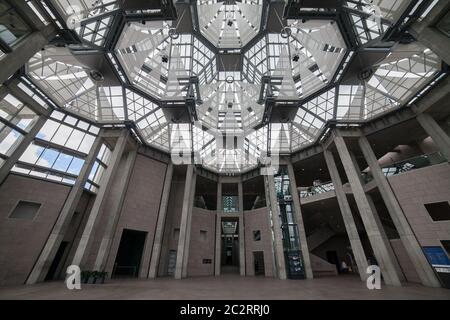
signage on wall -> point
(437, 256)
(440, 261)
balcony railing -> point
(403, 166)
(388, 170)
(317, 189)
(261, 203)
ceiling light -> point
(173, 34)
(96, 76)
(285, 32)
(229, 79)
(295, 58)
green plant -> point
(93, 276)
(85, 276)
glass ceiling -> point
(156, 67)
(229, 24)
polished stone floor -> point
(226, 287)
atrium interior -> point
(296, 140)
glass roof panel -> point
(229, 25)
(387, 9)
(156, 65)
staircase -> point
(319, 236)
(321, 267)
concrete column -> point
(184, 222)
(22, 52)
(189, 226)
(347, 216)
(276, 223)
(432, 38)
(43, 263)
(116, 208)
(159, 232)
(85, 242)
(241, 230)
(436, 133)
(24, 10)
(23, 145)
(385, 260)
(217, 259)
(299, 222)
(385, 238)
(409, 240)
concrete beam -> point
(299, 221)
(17, 153)
(85, 242)
(218, 248)
(410, 242)
(306, 153)
(432, 38)
(189, 226)
(379, 246)
(388, 120)
(22, 52)
(436, 100)
(114, 213)
(385, 238)
(241, 230)
(48, 253)
(25, 98)
(184, 222)
(347, 216)
(439, 136)
(159, 232)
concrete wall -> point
(258, 220)
(418, 187)
(21, 240)
(202, 246)
(140, 207)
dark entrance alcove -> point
(129, 255)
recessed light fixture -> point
(229, 79)
(96, 75)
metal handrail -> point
(317, 189)
(123, 267)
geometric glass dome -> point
(242, 81)
(229, 24)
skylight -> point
(230, 70)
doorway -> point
(51, 275)
(332, 257)
(129, 255)
(230, 246)
(172, 262)
(258, 262)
